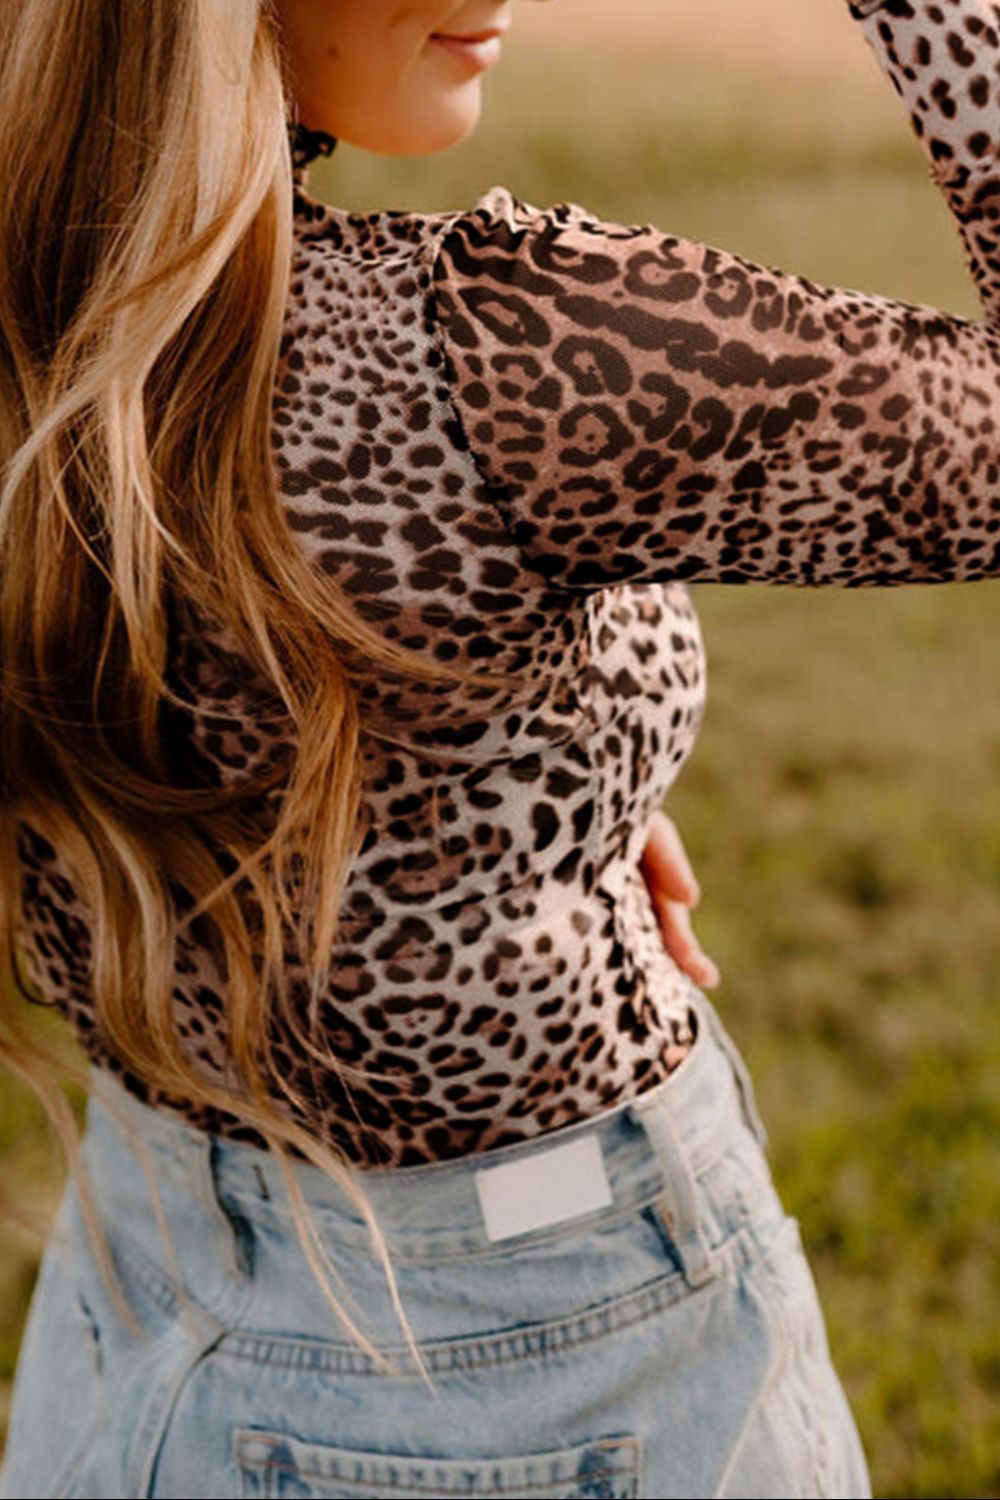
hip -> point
(621, 1308)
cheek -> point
(365, 72)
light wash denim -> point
(667, 1344)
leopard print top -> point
(509, 435)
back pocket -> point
(274, 1464)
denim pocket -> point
(275, 1464)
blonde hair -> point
(145, 240)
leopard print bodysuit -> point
(511, 436)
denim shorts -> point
(631, 1317)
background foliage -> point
(843, 806)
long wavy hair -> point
(145, 240)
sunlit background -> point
(843, 806)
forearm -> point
(943, 59)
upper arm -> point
(647, 406)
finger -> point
(665, 863)
(682, 945)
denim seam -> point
(163, 1291)
(74, 1462)
(386, 1486)
(777, 1320)
(620, 1456)
(646, 1198)
(544, 1341)
(162, 1400)
(477, 1251)
(786, 1320)
(147, 1274)
(588, 1223)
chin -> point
(438, 127)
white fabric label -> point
(544, 1188)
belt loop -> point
(706, 1011)
(678, 1207)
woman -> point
(325, 816)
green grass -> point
(843, 805)
(843, 812)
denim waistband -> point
(653, 1147)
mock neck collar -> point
(308, 146)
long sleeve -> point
(645, 407)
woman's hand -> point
(673, 890)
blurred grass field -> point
(843, 805)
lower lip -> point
(477, 55)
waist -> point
(435, 1210)
(661, 1180)
(454, 1050)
